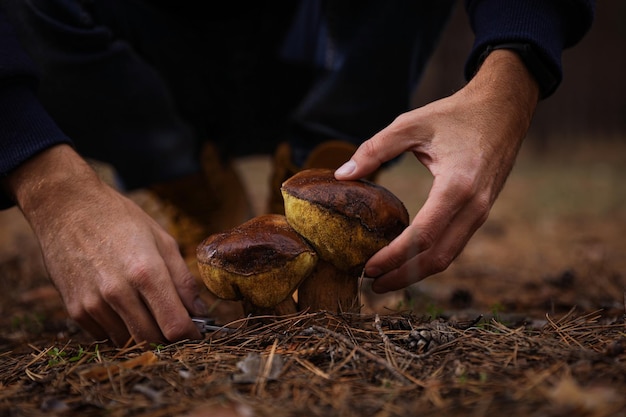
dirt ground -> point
(529, 320)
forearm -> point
(49, 179)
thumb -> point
(369, 157)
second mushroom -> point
(260, 262)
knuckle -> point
(175, 329)
(464, 187)
(403, 119)
(482, 206)
(441, 262)
(83, 310)
(394, 261)
(425, 240)
(170, 242)
(140, 274)
(77, 312)
(111, 293)
(187, 282)
(368, 148)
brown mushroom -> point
(260, 262)
(346, 222)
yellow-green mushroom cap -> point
(345, 221)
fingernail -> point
(346, 169)
(200, 307)
(378, 289)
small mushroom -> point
(346, 222)
(260, 262)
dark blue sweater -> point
(548, 25)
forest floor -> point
(530, 320)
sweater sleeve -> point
(547, 26)
(25, 127)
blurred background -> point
(591, 101)
(556, 237)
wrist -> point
(47, 175)
(508, 83)
(547, 79)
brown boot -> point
(201, 204)
(330, 154)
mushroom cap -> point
(262, 261)
(345, 221)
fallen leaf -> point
(103, 372)
(567, 392)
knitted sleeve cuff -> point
(541, 29)
(25, 129)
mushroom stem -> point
(329, 288)
(285, 307)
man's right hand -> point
(119, 273)
(468, 141)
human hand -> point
(119, 273)
(469, 142)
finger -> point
(101, 321)
(446, 198)
(156, 288)
(438, 257)
(127, 304)
(171, 315)
(372, 153)
(115, 329)
(184, 282)
(416, 269)
(142, 325)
